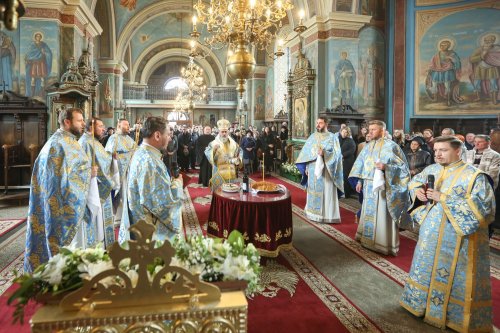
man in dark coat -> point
(205, 166)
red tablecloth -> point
(264, 219)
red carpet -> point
(6, 312)
(299, 313)
(7, 225)
(379, 261)
(314, 296)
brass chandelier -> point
(239, 24)
(196, 90)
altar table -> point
(264, 219)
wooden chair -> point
(13, 158)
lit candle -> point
(301, 16)
(281, 42)
(263, 165)
(252, 4)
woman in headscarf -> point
(417, 158)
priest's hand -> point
(215, 146)
(359, 187)
(93, 172)
(320, 151)
(179, 178)
(421, 194)
(433, 194)
(380, 166)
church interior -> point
(416, 65)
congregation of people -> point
(445, 186)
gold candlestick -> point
(263, 165)
(93, 143)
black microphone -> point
(430, 184)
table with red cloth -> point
(264, 219)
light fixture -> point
(240, 24)
(196, 90)
(10, 13)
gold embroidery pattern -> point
(213, 225)
(275, 277)
(278, 235)
(348, 315)
(260, 238)
(189, 217)
(203, 200)
(245, 236)
(225, 233)
(288, 232)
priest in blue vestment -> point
(449, 281)
(89, 141)
(151, 194)
(122, 147)
(58, 195)
(323, 178)
(382, 173)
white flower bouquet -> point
(290, 169)
(213, 259)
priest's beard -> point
(76, 131)
(224, 139)
(320, 130)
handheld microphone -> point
(430, 184)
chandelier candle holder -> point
(196, 90)
(240, 24)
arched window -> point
(175, 83)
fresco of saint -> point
(38, 61)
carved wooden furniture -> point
(344, 114)
(23, 124)
(12, 160)
(300, 110)
(480, 125)
(71, 92)
(184, 305)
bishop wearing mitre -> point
(225, 156)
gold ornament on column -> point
(10, 13)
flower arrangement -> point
(290, 169)
(213, 259)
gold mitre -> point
(223, 125)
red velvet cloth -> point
(264, 219)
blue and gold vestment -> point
(223, 161)
(103, 160)
(58, 198)
(332, 157)
(124, 147)
(151, 195)
(383, 210)
(449, 281)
